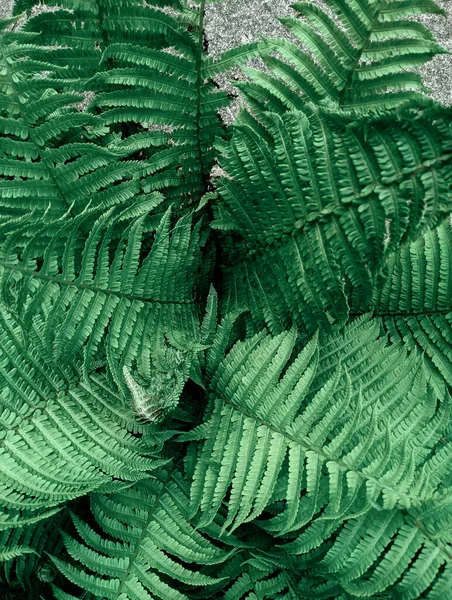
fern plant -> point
(225, 351)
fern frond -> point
(39, 539)
(61, 437)
(151, 83)
(125, 285)
(386, 553)
(52, 163)
(151, 544)
(359, 55)
(11, 554)
(415, 298)
(343, 436)
(336, 453)
(319, 202)
(262, 576)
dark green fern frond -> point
(36, 541)
(52, 163)
(359, 54)
(61, 437)
(148, 68)
(168, 92)
(261, 576)
(125, 287)
(151, 545)
(319, 201)
(415, 298)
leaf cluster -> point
(225, 351)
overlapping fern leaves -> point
(289, 437)
(338, 440)
(323, 200)
(120, 287)
(146, 556)
(320, 432)
(55, 159)
(152, 76)
(61, 436)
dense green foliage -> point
(225, 351)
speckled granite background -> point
(5, 8)
(232, 22)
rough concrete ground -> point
(233, 22)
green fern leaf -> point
(319, 421)
(358, 55)
(415, 300)
(87, 291)
(61, 437)
(152, 83)
(151, 541)
(384, 552)
(52, 163)
(319, 202)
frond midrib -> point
(199, 84)
(326, 212)
(319, 451)
(354, 67)
(92, 288)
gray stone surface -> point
(438, 72)
(5, 8)
(233, 22)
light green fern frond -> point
(330, 453)
(61, 437)
(146, 545)
(359, 54)
(331, 437)
(386, 554)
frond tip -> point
(359, 55)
